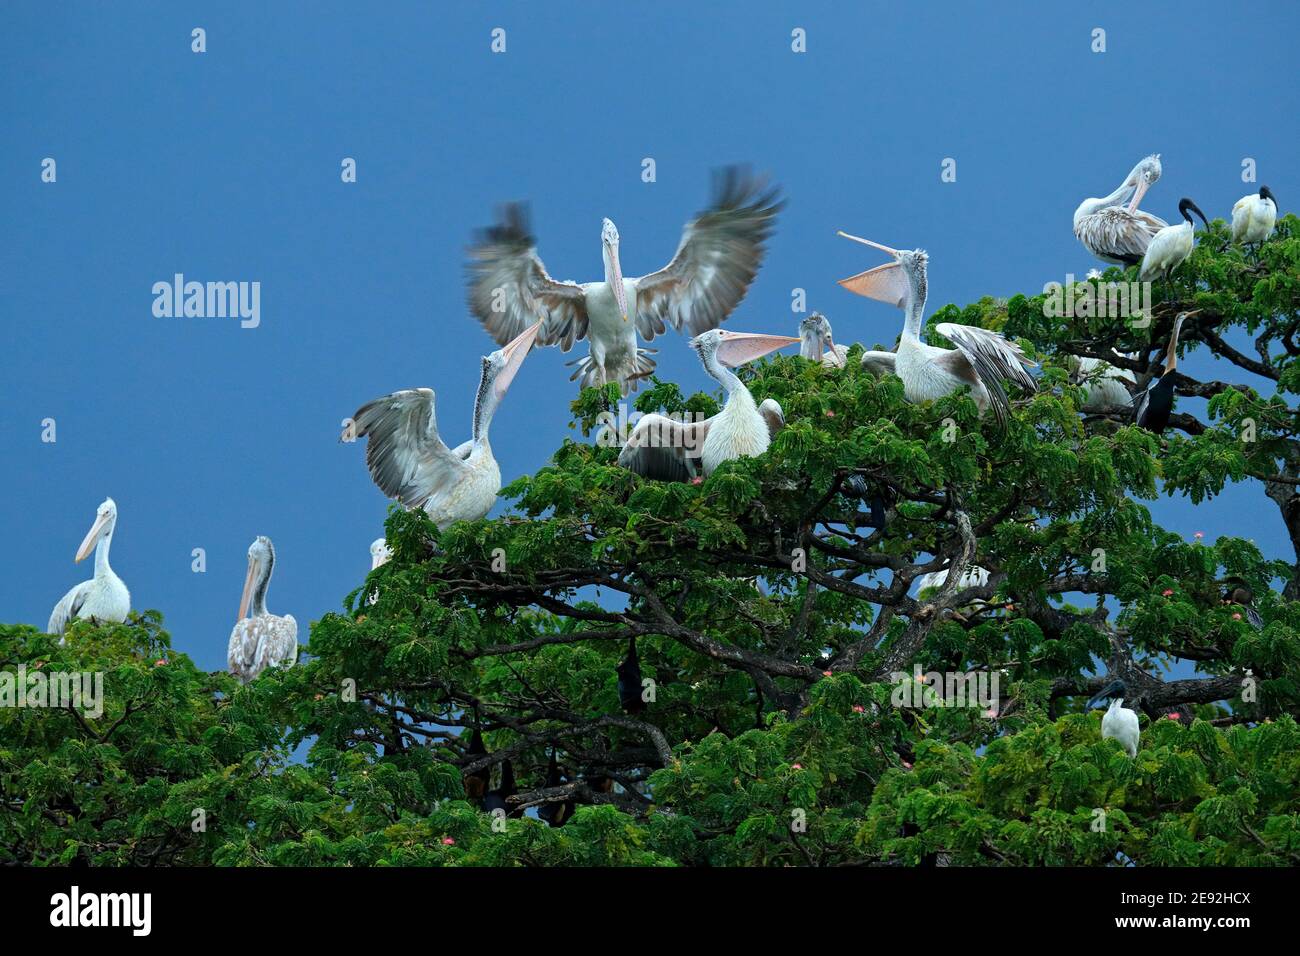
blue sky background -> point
(225, 166)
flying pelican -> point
(1103, 384)
(717, 259)
(1116, 233)
(262, 639)
(1155, 405)
(667, 449)
(104, 598)
(981, 360)
(1171, 245)
(1118, 722)
(816, 343)
(1253, 217)
(411, 464)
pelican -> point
(1171, 245)
(667, 449)
(1116, 233)
(262, 639)
(104, 598)
(411, 464)
(973, 577)
(717, 259)
(380, 553)
(981, 360)
(816, 343)
(1253, 217)
(1155, 405)
(1103, 384)
(1118, 722)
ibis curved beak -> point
(515, 352)
(92, 538)
(737, 348)
(249, 580)
(616, 277)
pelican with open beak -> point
(261, 639)
(409, 461)
(104, 598)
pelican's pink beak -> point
(1141, 191)
(737, 348)
(92, 538)
(867, 242)
(616, 277)
(515, 352)
(883, 283)
(249, 580)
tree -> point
(779, 639)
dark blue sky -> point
(225, 166)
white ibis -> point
(409, 461)
(1171, 246)
(1117, 233)
(1253, 217)
(261, 639)
(719, 255)
(981, 359)
(1118, 723)
(103, 599)
(671, 450)
(816, 343)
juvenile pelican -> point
(717, 259)
(1171, 246)
(671, 450)
(1118, 722)
(1253, 217)
(262, 639)
(409, 461)
(816, 343)
(1156, 404)
(104, 598)
(1103, 384)
(1116, 233)
(981, 359)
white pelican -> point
(380, 553)
(262, 639)
(1116, 233)
(717, 259)
(411, 464)
(1253, 216)
(667, 449)
(981, 360)
(1118, 722)
(816, 343)
(1103, 384)
(973, 577)
(104, 598)
(1171, 246)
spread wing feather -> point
(664, 448)
(406, 457)
(992, 358)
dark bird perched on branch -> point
(1155, 405)
(629, 680)
(476, 783)
(1237, 591)
(877, 498)
(558, 813)
(496, 799)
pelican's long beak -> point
(1141, 191)
(249, 580)
(515, 352)
(737, 348)
(616, 277)
(867, 242)
(92, 538)
(883, 283)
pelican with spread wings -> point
(981, 360)
(409, 461)
(719, 255)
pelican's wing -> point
(1125, 235)
(242, 650)
(992, 358)
(836, 357)
(878, 363)
(407, 459)
(277, 642)
(715, 262)
(664, 448)
(773, 415)
(68, 607)
(509, 289)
